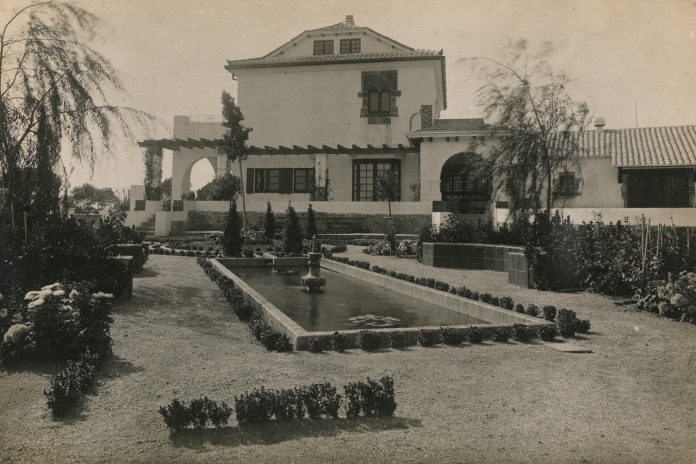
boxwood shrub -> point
(368, 340)
(475, 335)
(501, 335)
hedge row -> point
(272, 339)
(317, 401)
(505, 302)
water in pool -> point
(346, 302)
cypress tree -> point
(311, 223)
(269, 222)
(293, 232)
(232, 239)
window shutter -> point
(250, 180)
(286, 180)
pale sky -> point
(618, 53)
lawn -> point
(631, 400)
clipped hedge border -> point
(317, 401)
(549, 312)
(272, 339)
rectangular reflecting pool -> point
(346, 302)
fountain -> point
(312, 282)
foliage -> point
(566, 322)
(52, 89)
(338, 343)
(397, 340)
(199, 412)
(532, 310)
(368, 340)
(475, 335)
(582, 325)
(269, 222)
(548, 333)
(451, 336)
(314, 345)
(549, 313)
(426, 338)
(223, 188)
(425, 234)
(292, 242)
(68, 385)
(232, 240)
(501, 335)
(387, 187)
(522, 333)
(234, 140)
(311, 230)
(676, 298)
(536, 120)
(519, 308)
(89, 199)
(370, 398)
(506, 303)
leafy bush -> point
(522, 332)
(566, 322)
(314, 345)
(464, 292)
(475, 296)
(224, 188)
(676, 298)
(68, 385)
(519, 307)
(475, 335)
(442, 286)
(548, 333)
(501, 335)
(532, 310)
(495, 301)
(582, 325)
(406, 248)
(397, 340)
(550, 313)
(368, 340)
(338, 343)
(451, 336)
(426, 338)
(506, 303)
(176, 415)
(370, 398)
(320, 400)
(486, 297)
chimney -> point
(599, 123)
(349, 21)
(426, 114)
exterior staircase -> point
(148, 227)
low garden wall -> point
(501, 258)
(326, 222)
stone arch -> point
(465, 184)
(183, 162)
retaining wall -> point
(501, 258)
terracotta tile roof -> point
(328, 59)
(642, 147)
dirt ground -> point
(630, 401)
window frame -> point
(358, 188)
(322, 45)
(309, 174)
(347, 46)
(262, 180)
(566, 188)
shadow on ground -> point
(117, 366)
(277, 432)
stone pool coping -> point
(300, 338)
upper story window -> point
(350, 45)
(323, 47)
(379, 92)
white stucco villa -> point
(346, 103)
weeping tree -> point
(535, 120)
(53, 88)
(235, 139)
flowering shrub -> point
(406, 248)
(677, 297)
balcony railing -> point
(203, 118)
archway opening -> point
(465, 184)
(199, 174)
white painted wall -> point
(319, 105)
(679, 216)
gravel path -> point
(629, 401)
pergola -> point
(207, 148)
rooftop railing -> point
(217, 118)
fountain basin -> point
(392, 305)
